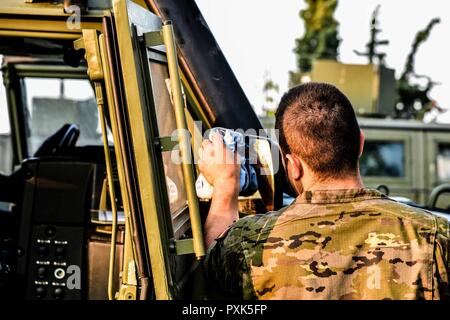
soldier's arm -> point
(222, 213)
(225, 265)
(220, 167)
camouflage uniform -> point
(344, 244)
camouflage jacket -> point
(344, 244)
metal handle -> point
(112, 194)
(184, 140)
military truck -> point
(99, 95)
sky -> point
(258, 37)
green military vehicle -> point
(99, 97)
(408, 159)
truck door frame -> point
(134, 107)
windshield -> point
(51, 103)
(167, 126)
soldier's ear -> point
(294, 167)
(361, 142)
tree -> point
(413, 100)
(270, 90)
(373, 43)
(320, 40)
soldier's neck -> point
(346, 182)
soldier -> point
(337, 240)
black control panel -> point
(56, 263)
(58, 197)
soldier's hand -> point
(219, 165)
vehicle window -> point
(51, 103)
(443, 162)
(6, 154)
(384, 159)
(167, 126)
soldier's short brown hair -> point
(317, 122)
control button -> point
(42, 272)
(20, 252)
(58, 293)
(5, 269)
(50, 231)
(59, 273)
(42, 251)
(60, 252)
(40, 292)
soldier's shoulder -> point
(403, 211)
(250, 226)
(413, 215)
(254, 223)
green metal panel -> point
(370, 88)
(128, 16)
